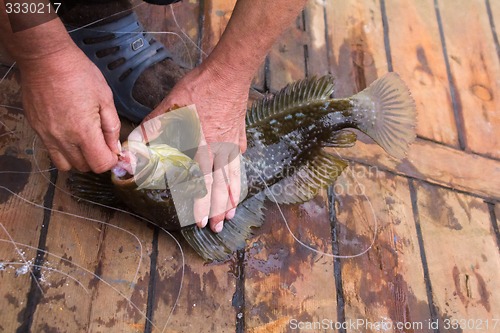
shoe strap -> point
(139, 49)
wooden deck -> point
(73, 267)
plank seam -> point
(328, 46)
(337, 265)
(493, 27)
(494, 223)
(148, 327)
(387, 43)
(35, 294)
(423, 256)
(201, 23)
(238, 301)
(457, 112)
(493, 158)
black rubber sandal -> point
(122, 50)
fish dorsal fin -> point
(297, 94)
(305, 184)
(220, 246)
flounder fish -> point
(285, 161)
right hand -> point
(69, 104)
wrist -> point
(39, 42)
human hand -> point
(221, 105)
(69, 104)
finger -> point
(74, 156)
(96, 152)
(110, 125)
(202, 206)
(59, 160)
(234, 183)
(220, 192)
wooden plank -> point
(286, 58)
(216, 16)
(119, 303)
(475, 68)
(87, 251)
(356, 37)
(433, 163)
(385, 285)
(176, 26)
(20, 221)
(495, 13)
(286, 283)
(204, 303)
(462, 256)
(315, 26)
(417, 55)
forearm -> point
(252, 30)
(39, 41)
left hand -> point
(221, 103)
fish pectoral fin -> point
(213, 246)
(92, 187)
(305, 184)
(341, 139)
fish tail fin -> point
(386, 112)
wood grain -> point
(433, 163)
(495, 12)
(417, 55)
(216, 16)
(356, 36)
(285, 281)
(386, 283)
(77, 299)
(475, 69)
(20, 221)
(462, 254)
(205, 302)
(177, 27)
(315, 26)
(286, 58)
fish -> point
(285, 161)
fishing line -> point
(99, 278)
(20, 253)
(122, 229)
(311, 248)
(7, 73)
(13, 263)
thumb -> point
(110, 125)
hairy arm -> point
(65, 97)
(219, 88)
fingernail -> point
(231, 214)
(204, 222)
(218, 226)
